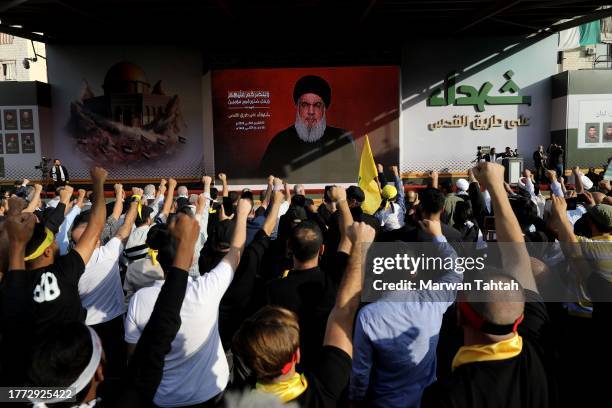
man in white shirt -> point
(101, 293)
(195, 369)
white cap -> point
(462, 184)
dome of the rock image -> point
(125, 78)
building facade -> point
(13, 52)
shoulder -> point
(112, 248)
(144, 296)
(338, 133)
(277, 284)
(71, 260)
(284, 136)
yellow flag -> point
(367, 182)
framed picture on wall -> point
(12, 143)
(592, 132)
(27, 143)
(1, 144)
(606, 132)
(26, 120)
(10, 119)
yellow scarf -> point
(285, 390)
(137, 198)
(153, 255)
(489, 352)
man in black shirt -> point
(269, 342)
(59, 174)
(242, 293)
(501, 363)
(51, 279)
(307, 290)
(539, 162)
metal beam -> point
(367, 11)
(11, 4)
(20, 32)
(493, 10)
(499, 20)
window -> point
(6, 39)
(8, 71)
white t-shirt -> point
(100, 284)
(195, 369)
(138, 237)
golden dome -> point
(125, 77)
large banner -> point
(135, 110)
(595, 124)
(303, 124)
(474, 96)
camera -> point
(44, 165)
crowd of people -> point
(162, 297)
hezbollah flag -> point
(367, 180)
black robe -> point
(330, 159)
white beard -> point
(309, 134)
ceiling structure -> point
(244, 32)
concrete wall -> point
(424, 67)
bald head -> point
(182, 191)
(497, 306)
(411, 196)
(298, 189)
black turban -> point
(312, 84)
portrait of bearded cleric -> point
(310, 149)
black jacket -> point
(58, 174)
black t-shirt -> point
(234, 307)
(328, 381)
(55, 290)
(32, 303)
(311, 294)
(521, 381)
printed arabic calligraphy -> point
(477, 98)
(478, 123)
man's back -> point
(311, 294)
(502, 378)
(403, 337)
(519, 382)
(195, 369)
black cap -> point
(312, 84)
(224, 231)
(355, 192)
(181, 202)
(295, 215)
(298, 200)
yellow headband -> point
(41, 248)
